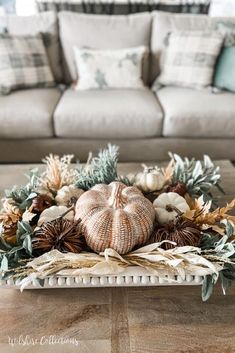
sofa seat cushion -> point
(28, 113)
(192, 113)
(124, 113)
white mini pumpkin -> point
(164, 206)
(66, 194)
(151, 179)
(53, 212)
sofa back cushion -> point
(165, 23)
(46, 24)
(102, 32)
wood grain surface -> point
(117, 320)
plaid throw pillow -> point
(190, 59)
(23, 63)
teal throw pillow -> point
(3, 30)
(225, 69)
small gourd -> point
(68, 195)
(151, 179)
(115, 216)
(53, 212)
(168, 206)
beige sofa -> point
(35, 122)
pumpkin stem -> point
(171, 208)
(147, 169)
(117, 200)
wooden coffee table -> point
(117, 320)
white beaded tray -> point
(128, 278)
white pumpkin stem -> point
(171, 208)
(117, 200)
(146, 168)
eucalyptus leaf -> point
(23, 230)
(23, 248)
(22, 195)
(225, 283)
(198, 176)
(27, 244)
(4, 264)
(220, 244)
(229, 271)
(229, 227)
(207, 287)
(31, 196)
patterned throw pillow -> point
(23, 63)
(190, 58)
(104, 69)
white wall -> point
(222, 8)
(2, 11)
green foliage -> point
(207, 286)
(223, 252)
(199, 177)
(209, 240)
(101, 170)
(22, 196)
(225, 281)
(219, 245)
(124, 180)
(10, 256)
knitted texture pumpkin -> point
(115, 216)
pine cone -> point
(179, 188)
(41, 202)
(60, 234)
(181, 231)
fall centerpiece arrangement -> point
(74, 219)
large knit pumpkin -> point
(115, 216)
